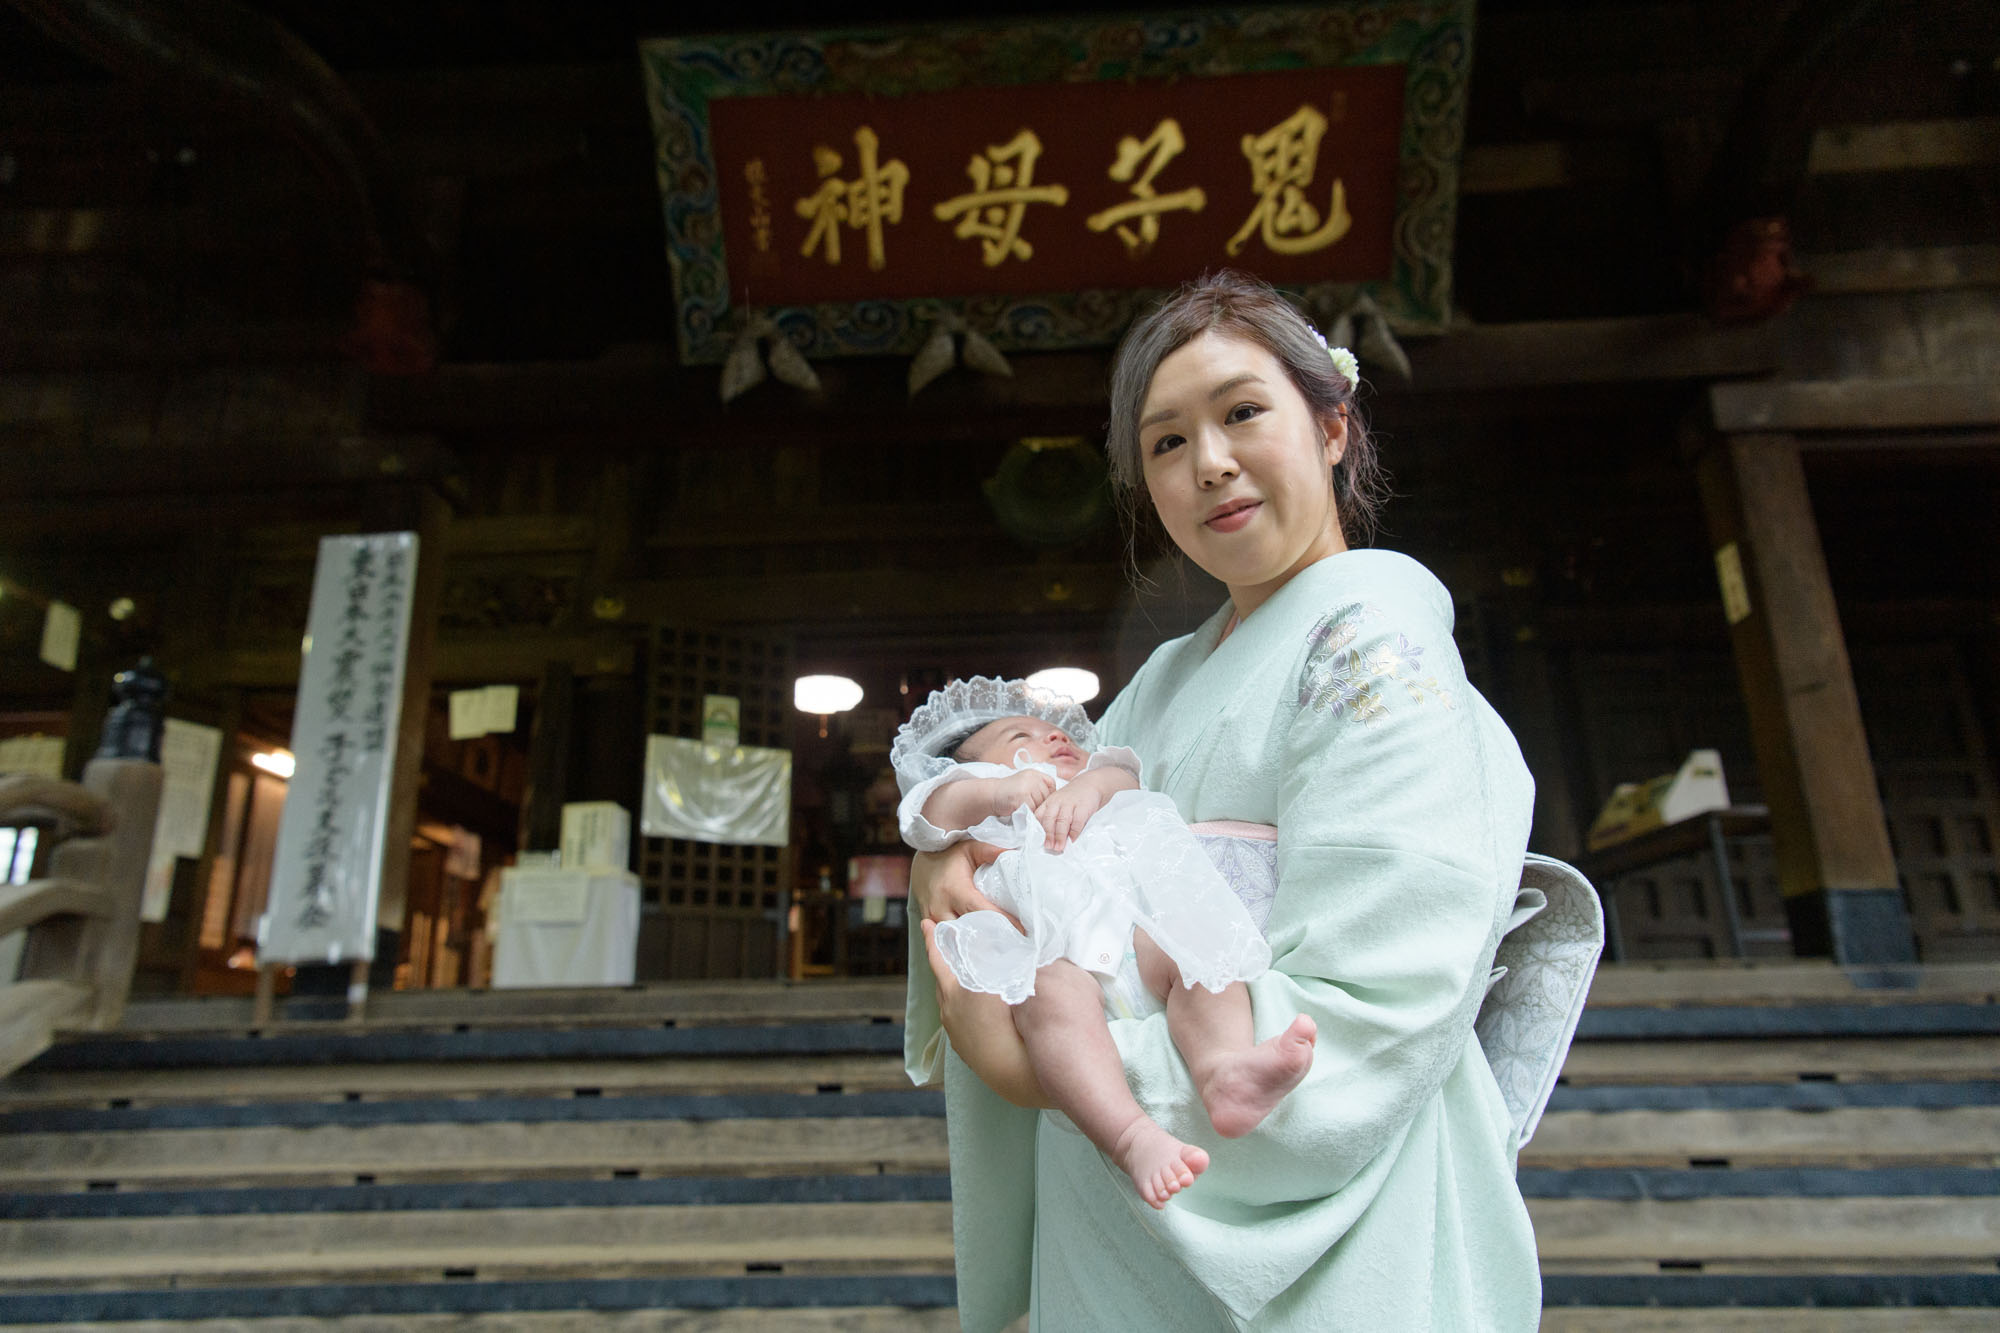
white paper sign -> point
(468, 714)
(476, 713)
(40, 755)
(501, 705)
(188, 755)
(62, 628)
(328, 868)
(1735, 590)
(712, 794)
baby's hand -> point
(1064, 813)
(1027, 787)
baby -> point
(1107, 900)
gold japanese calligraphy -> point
(760, 203)
(1003, 185)
(1282, 162)
(1162, 146)
(873, 198)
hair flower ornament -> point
(1349, 368)
(1343, 360)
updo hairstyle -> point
(1248, 308)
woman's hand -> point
(982, 1031)
(941, 882)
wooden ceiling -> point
(176, 278)
(1607, 146)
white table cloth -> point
(566, 928)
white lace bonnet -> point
(963, 707)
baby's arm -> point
(961, 804)
(1064, 813)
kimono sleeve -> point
(1403, 810)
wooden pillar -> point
(192, 608)
(1527, 678)
(423, 511)
(549, 749)
(1835, 866)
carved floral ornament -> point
(956, 195)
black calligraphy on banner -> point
(382, 665)
(335, 752)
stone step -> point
(1590, 1064)
(839, 1319)
(1861, 1303)
(345, 1045)
(494, 1244)
(1768, 1060)
(1620, 1184)
(733, 1303)
(338, 1155)
(882, 1319)
(1728, 1235)
(1871, 1137)
(834, 1100)
(1770, 1142)
(688, 1003)
(540, 1078)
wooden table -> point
(1709, 830)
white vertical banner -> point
(328, 868)
(189, 753)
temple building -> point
(464, 430)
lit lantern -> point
(824, 695)
(1073, 683)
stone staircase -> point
(1731, 1146)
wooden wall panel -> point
(1938, 795)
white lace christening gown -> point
(1134, 865)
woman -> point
(1326, 698)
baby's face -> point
(998, 743)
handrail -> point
(82, 918)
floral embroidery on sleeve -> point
(1342, 679)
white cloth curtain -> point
(713, 793)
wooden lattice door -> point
(1639, 713)
(714, 910)
(1939, 795)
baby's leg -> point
(1239, 1080)
(1062, 1024)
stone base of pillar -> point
(1855, 927)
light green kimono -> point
(1380, 1194)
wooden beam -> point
(1512, 168)
(646, 388)
(517, 534)
(1903, 270)
(1850, 405)
(805, 600)
(1905, 145)
(473, 660)
(1835, 866)
(849, 523)
(1588, 351)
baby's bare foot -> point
(1160, 1165)
(1241, 1090)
